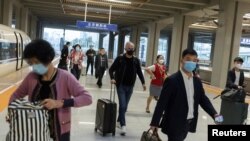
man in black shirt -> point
(125, 68)
(90, 58)
(101, 64)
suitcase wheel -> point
(95, 129)
(103, 134)
(113, 134)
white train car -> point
(12, 43)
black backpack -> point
(234, 95)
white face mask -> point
(161, 61)
(238, 66)
(77, 49)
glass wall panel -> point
(202, 43)
(244, 52)
(54, 37)
(85, 39)
(115, 46)
(163, 47)
(143, 49)
(106, 43)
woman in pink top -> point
(57, 89)
(76, 59)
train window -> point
(7, 51)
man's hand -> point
(52, 104)
(218, 119)
(113, 81)
(153, 128)
(144, 87)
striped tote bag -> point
(28, 122)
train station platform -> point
(83, 119)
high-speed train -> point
(12, 43)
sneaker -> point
(123, 132)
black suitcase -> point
(106, 115)
(233, 112)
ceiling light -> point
(200, 25)
(120, 1)
(247, 15)
(245, 24)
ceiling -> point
(124, 12)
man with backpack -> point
(123, 73)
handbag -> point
(150, 136)
(27, 121)
(233, 95)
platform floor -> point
(83, 118)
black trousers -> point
(63, 64)
(182, 135)
(101, 72)
(90, 62)
(76, 71)
(65, 137)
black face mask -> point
(130, 52)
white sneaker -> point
(123, 132)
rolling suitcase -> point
(106, 115)
(233, 107)
(234, 112)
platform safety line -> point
(12, 85)
(5, 95)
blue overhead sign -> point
(97, 26)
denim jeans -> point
(124, 94)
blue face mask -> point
(189, 66)
(39, 69)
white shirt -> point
(189, 86)
(152, 68)
(237, 78)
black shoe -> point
(99, 85)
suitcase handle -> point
(112, 91)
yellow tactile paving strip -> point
(216, 91)
(5, 96)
